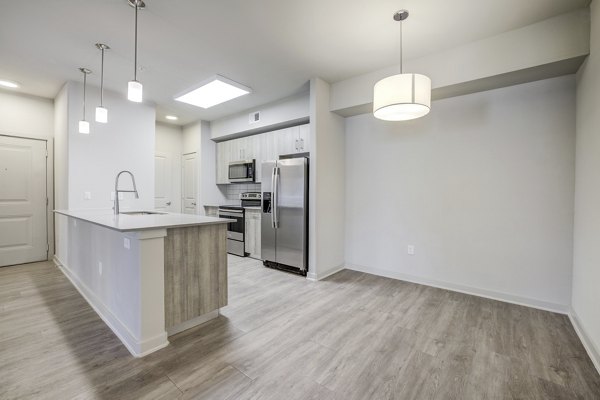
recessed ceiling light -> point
(171, 117)
(215, 91)
(8, 84)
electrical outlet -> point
(410, 250)
(126, 243)
(87, 195)
(100, 267)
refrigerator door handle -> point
(275, 211)
(273, 198)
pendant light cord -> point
(136, 40)
(400, 47)
(102, 81)
(84, 84)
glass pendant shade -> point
(84, 127)
(101, 115)
(134, 91)
(402, 97)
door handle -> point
(273, 198)
(275, 212)
(193, 204)
(168, 203)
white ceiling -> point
(272, 46)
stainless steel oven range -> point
(235, 229)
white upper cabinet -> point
(223, 162)
(263, 147)
(303, 145)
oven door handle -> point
(227, 214)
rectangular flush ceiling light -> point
(215, 91)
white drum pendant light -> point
(403, 96)
(101, 111)
(135, 88)
(84, 126)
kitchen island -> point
(148, 275)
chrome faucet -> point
(117, 190)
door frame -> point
(50, 238)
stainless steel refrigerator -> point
(284, 225)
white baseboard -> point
(489, 294)
(589, 345)
(317, 277)
(138, 348)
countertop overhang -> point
(127, 223)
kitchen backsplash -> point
(232, 192)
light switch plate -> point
(87, 195)
(410, 250)
(126, 243)
(112, 196)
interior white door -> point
(23, 229)
(163, 182)
(189, 183)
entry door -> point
(189, 183)
(163, 182)
(23, 232)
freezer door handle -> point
(275, 198)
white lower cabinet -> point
(253, 217)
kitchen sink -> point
(142, 212)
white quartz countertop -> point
(125, 223)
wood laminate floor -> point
(352, 336)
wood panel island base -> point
(147, 276)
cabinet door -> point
(235, 150)
(286, 140)
(249, 238)
(257, 233)
(222, 162)
(253, 146)
(253, 241)
(304, 138)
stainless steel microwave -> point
(242, 171)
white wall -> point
(32, 117)
(61, 167)
(169, 141)
(482, 187)
(272, 116)
(197, 139)
(326, 184)
(126, 142)
(26, 116)
(537, 51)
(191, 137)
(586, 264)
(210, 193)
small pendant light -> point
(135, 88)
(84, 126)
(403, 96)
(101, 111)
